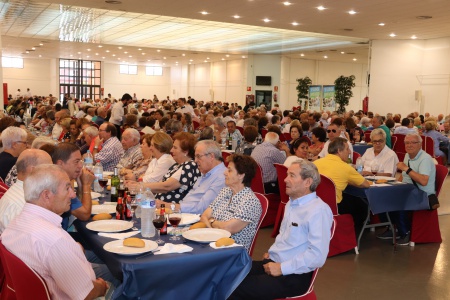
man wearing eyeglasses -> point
(208, 157)
(417, 167)
(333, 131)
(14, 141)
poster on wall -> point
(315, 98)
(329, 102)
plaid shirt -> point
(131, 158)
(110, 154)
(266, 155)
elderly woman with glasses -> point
(380, 158)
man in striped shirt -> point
(35, 236)
(112, 150)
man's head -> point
(219, 124)
(231, 126)
(333, 131)
(130, 138)
(49, 186)
(126, 98)
(339, 147)
(302, 178)
(413, 144)
(311, 119)
(272, 137)
(440, 117)
(181, 102)
(377, 121)
(447, 126)
(68, 156)
(14, 140)
(378, 138)
(91, 111)
(207, 155)
(107, 130)
(29, 159)
(101, 112)
(405, 122)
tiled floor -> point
(379, 272)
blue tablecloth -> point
(391, 198)
(204, 273)
(361, 148)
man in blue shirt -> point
(300, 248)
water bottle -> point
(139, 199)
(359, 165)
(88, 161)
(148, 207)
(98, 173)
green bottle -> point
(115, 183)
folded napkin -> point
(174, 248)
(119, 236)
(213, 245)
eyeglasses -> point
(331, 130)
(411, 143)
(377, 141)
(22, 142)
(198, 156)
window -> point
(153, 71)
(80, 78)
(12, 62)
(128, 69)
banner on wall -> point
(329, 102)
(315, 97)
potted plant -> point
(303, 90)
(343, 91)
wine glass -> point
(175, 219)
(374, 169)
(103, 182)
(159, 219)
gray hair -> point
(133, 133)
(12, 135)
(31, 158)
(206, 134)
(41, 141)
(91, 130)
(365, 120)
(308, 170)
(378, 131)
(43, 177)
(419, 138)
(250, 122)
(176, 126)
(211, 147)
(219, 122)
(272, 137)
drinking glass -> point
(374, 169)
(103, 182)
(159, 219)
(175, 219)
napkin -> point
(119, 236)
(213, 245)
(174, 248)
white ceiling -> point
(68, 28)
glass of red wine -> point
(174, 220)
(103, 183)
(374, 169)
(159, 219)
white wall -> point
(399, 68)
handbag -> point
(433, 200)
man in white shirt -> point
(117, 112)
(13, 200)
(183, 107)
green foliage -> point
(343, 91)
(303, 88)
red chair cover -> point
(282, 173)
(393, 141)
(241, 130)
(3, 189)
(287, 136)
(224, 156)
(425, 223)
(428, 147)
(196, 124)
(355, 156)
(263, 133)
(344, 238)
(367, 136)
(265, 206)
(307, 138)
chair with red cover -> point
(356, 155)
(26, 283)
(425, 223)
(367, 136)
(265, 206)
(307, 138)
(287, 136)
(3, 189)
(284, 198)
(224, 156)
(428, 147)
(241, 129)
(344, 238)
(393, 141)
(196, 124)
(263, 133)
(310, 294)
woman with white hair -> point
(365, 123)
(14, 140)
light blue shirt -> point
(204, 191)
(301, 249)
(423, 164)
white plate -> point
(382, 177)
(188, 219)
(213, 245)
(98, 209)
(109, 225)
(118, 247)
(107, 173)
(205, 235)
(95, 195)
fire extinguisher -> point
(275, 97)
(366, 104)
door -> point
(264, 97)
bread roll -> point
(197, 225)
(134, 242)
(225, 241)
(95, 202)
(381, 181)
(101, 216)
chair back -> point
(241, 129)
(441, 174)
(263, 133)
(393, 141)
(196, 124)
(399, 145)
(307, 138)
(287, 136)
(326, 190)
(224, 156)
(3, 189)
(264, 206)
(284, 198)
(428, 145)
(257, 185)
(367, 136)
(26, 282)
(356, 155)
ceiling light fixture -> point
(103, 57)
(158, 50)
(351, 12)
(414, 37)
(354, 59)
(381, 24)
(107, 51)
(183, 54)
(164, 57)
(266, 20)
(40, 55)
(33, 48)
(96, 53)
(88, 49)
(139, 49)
(204, 13)
(223, 58)
(325, 56)
(287, 3)
(294, 23)
(228, 55)
(392, 35)
(321, 7)
(130, 56)
(236, 16)
(87, 56)
(302, 54)
(40, 44)
(342, 52)
(79, 52)
(120, 47)
(113, 55)
(143, 53)
(126, 52)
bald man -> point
(13, 200)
